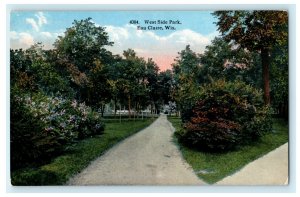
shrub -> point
(42, 125)
(225, 116)
(23, 127)
(68, 118)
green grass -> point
(78, 156)
(212, 167)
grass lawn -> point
(78, 156)
(212, 167)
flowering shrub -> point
(68, 118)
(225, 116)
(46, 123)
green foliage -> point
(20, 72)
(133, 82)
(187, 64)
(254, 30)
(98, 88)
(49, 81)
(154, 90)
(280, 80)
(82, 44)
(81, 50)
(45, 124)
(185, 79)
(222, 60)
(226, 114)
(32, 72)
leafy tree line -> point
(226, 94)
(98, 76)
(81, 67)
(59, 95)
(239, 54)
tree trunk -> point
(129, 107)
(102, 107)
(134, 112)
(120, 112)
(266, 75)
(115, 101)
(284, 113)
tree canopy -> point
(83, 43)
(255, 31)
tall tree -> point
(79, 49)
(186, 78)
(99, 92)
(151, 81)
(82, 43)
(255, 31)
(279, 79)
(165, 80)
(132, 80)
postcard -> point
(149, 97)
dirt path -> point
(146, 158)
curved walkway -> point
(146, 158)
(270, 169)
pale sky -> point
(197, 29)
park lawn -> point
(78, 156)
(212, 167)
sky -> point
(195, 28)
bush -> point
(225, 116)
(23, 127)
(42, 125)
(69, 118)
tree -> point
(222, 60)
(279, 79)
(129, 69)
(20, 72)
(83, 43)
(255, 31)
(79, 49)
(99, 92)
(165, 80)
(129, 81)
(186, 79)
(32, 71)
(187, 63)
(152, 84)
(114, 80)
